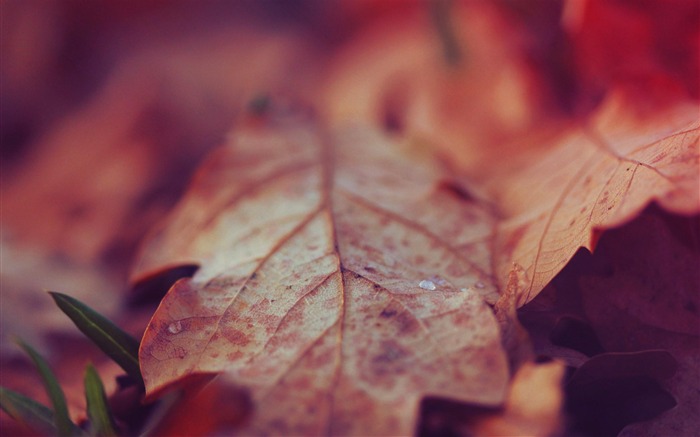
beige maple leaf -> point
(337, 282)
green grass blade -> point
(25, 410)
(64, 425)
(101, 421)
(117, 344)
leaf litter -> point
(519, 190)
(342, 255)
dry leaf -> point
(97, 179)
(336, 282)
(204, 408)
(553, 201)
(533, 406)
(627, 317)
(652, 302)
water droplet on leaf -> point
(175, 327)
(480, 285)
(427, 285)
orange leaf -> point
(591, 178)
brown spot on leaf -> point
(387, 313)
(236, 337)
(390, 358)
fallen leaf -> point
(612, 390)
(554, 201)
(533, 407)
(217, 408)
(626, 317)
(651, 302)
(137, 140)
(336, 282)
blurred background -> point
(107, 107)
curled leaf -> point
(590, 179)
